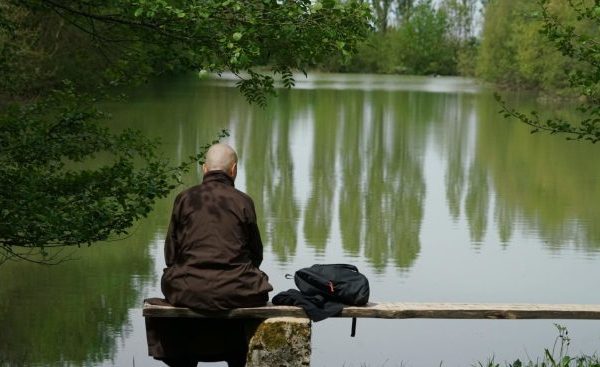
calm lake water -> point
(417, 181)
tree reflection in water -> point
(74, 313)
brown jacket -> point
(213, 249)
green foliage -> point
(426, 47)
(461, 16)
(577, 41)
(429, 38)
(513, 53)
(378, 54)
(466, 58)
(17, 61)
(48, 197)
(381, 10)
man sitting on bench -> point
(213, 252)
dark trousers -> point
(183, 342)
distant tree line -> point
(420, 37)
(501, 41)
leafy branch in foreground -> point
(581, 43)
(50, 195)
(252, 39)
(588, 129)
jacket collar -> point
(219, 176)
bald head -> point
(221, 157)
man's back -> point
(213, 248)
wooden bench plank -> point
(401, 311)
(254, 312)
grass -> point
(557, 357)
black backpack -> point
(336, 282)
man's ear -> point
(234, 171)
(204, 168)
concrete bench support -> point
(281, 341)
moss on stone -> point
(281, 342)
(273, 335)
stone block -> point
(281, 342)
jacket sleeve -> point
(171, 242)
(254, 242)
